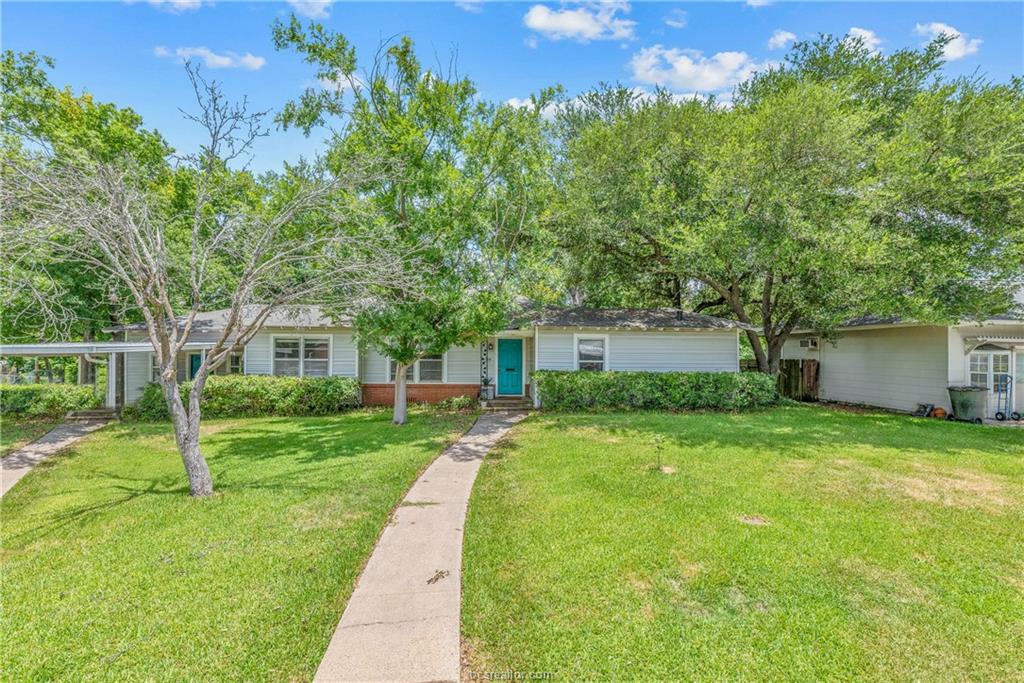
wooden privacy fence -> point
(798, 379)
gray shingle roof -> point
(627, 318)
(288, 316)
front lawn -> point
(112, 572)
(16, 432)
(800, 543)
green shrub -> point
(47, 400)
(581, 390)
(456, 403)
(260, 395)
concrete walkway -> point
(19, 463)
(402, 622)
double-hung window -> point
(430, 368)
(427, 369)
(302, 356)
(591, 353)
(316, 356)
(409, 372)
(979, 369)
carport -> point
(114, 351)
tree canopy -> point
(839, 184)
(461, 185)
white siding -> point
(673, 351)
(136, 375)
(1018, 379)
(374, 368)
(464, 364)
(893, 368)
(258, 355)
(344, 354)
(554, 350)
(792, 350)
(648, 351)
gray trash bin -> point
(970, 403)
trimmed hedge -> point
(259, 396)
(583, 390)
(47, 400)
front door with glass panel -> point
(991, 369)
(510, 367)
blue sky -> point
(130, 53)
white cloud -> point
(961, 46)
(780, 39)
(758, 3)
(174, 6)
(342, 84)
(470, 5)
(312, 9)
(690, 69)
(869, 39)
(587, 21)
(675, 19)
(212, 60)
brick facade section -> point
(384, 394)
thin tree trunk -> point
(49, 370)
(186, 435)
(401, 395)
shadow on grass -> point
(797, 431)
(293, 455)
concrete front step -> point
(507, 404)
(90, 415)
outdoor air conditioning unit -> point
(809, 343)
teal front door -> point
(194, 361)
(510, 367)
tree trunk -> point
(186, 435)
(83, 363)
(49, 370)
(401, 397)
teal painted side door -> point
(510, 366)
(194, 361)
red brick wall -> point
(384, 394)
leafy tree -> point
(216, 238)
(36, 115)
(462, 181)
(840, 184)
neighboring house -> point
(898, 364)
(304, 342)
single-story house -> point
(305, 342)
(898, 364)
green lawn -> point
(800, 543)
(16, 432)
(112, 572)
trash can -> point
(970, 403)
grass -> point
(112, 572)
(15, 432)
(800, 543)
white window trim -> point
(416, 371)
(576, 349)
(302, 343)
(522, 379)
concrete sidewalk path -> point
(402, 621)
(19, 463)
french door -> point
(991, 369)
